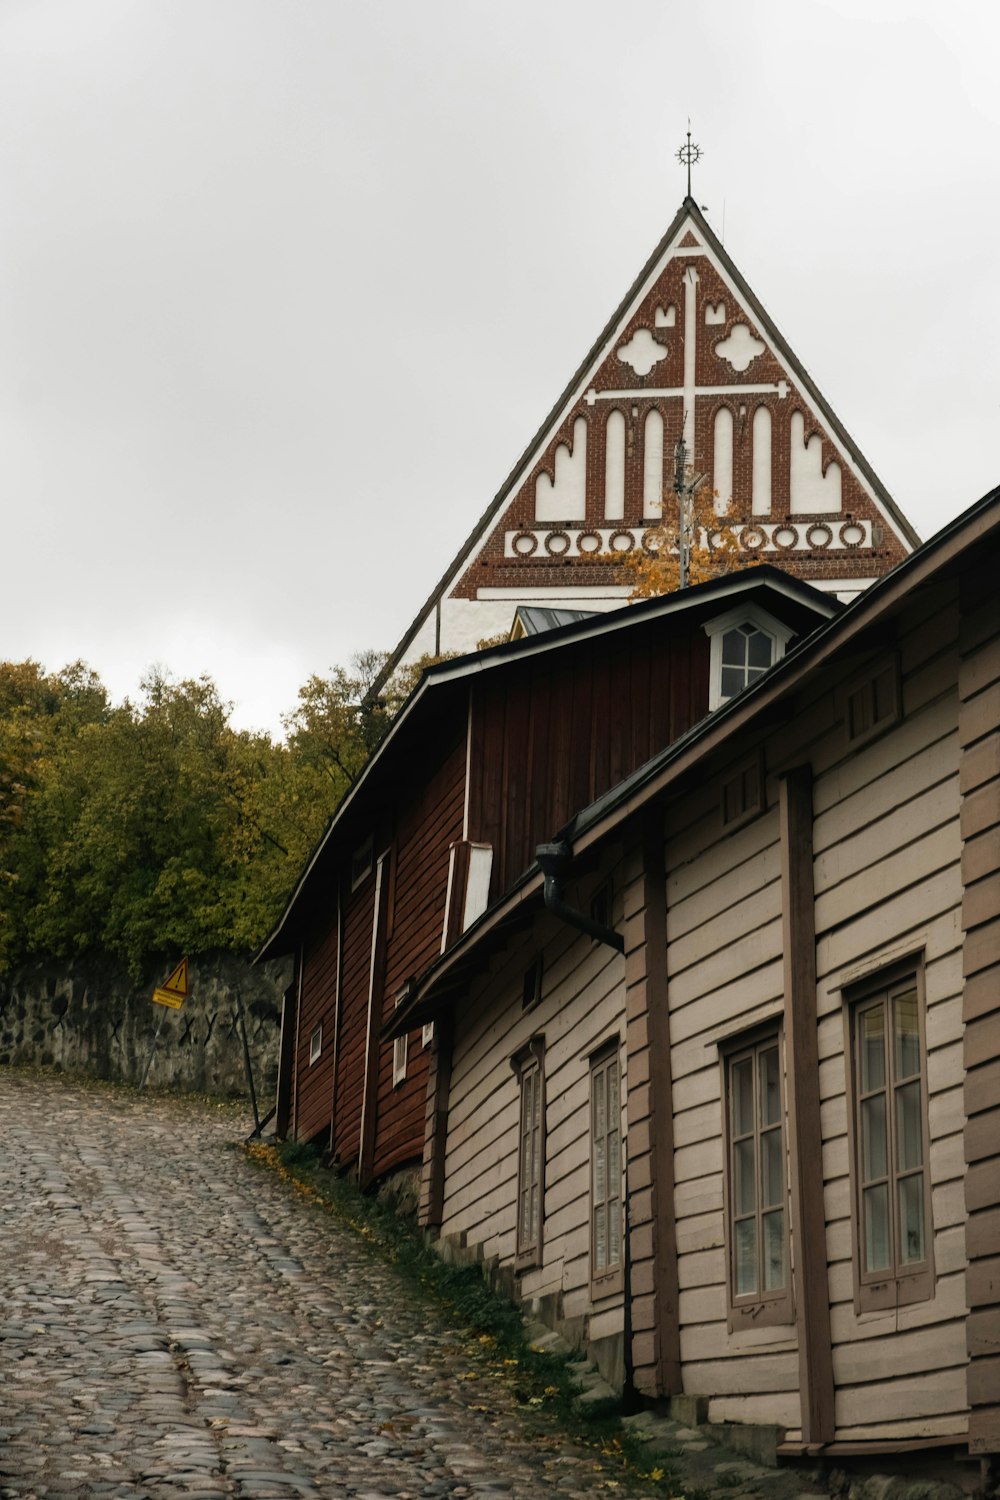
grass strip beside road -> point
(493, 1329)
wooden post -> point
(812, 1295)
(431, 1211)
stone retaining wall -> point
(93, 1018)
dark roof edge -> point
(599, 623)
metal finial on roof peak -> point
(689, 154)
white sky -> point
(280, 277)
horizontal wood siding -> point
(355, 969)
(724, 966)
(582, 1006)
(547, 740)
(427, 827)
(888, 882)
(318, 1007)
(979, 737)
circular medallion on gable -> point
(556, 543)
(753, 538)
(819, 536)
(785, 537)
(525, 543)
(652, 540)
(588, 541)
(852, 535)
(621, 541)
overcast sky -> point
(287, 285)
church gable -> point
(690, 353)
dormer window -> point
(745, 643)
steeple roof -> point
(689, 350)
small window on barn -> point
(745, 643)
(756, 1184)
(605, 1171)
(531, 986)
(399, 1048)
(874, 704)
(890, 1140)
(361, 863)
(427, 1035)
(529, 1068)
(316, 1044)
(743, 793)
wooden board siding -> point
(428, 826)
(318, 1002)
(724, 966)
(548, 740)
(582, 1006)
(979, 738)
(887, 881)
(355, 967)
(656, 1349)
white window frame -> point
(399, 1051)
(744, 614)
(316, 1044)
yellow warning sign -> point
(167, 997)
(174, 988)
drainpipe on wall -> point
(554, 861)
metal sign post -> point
(170, 995)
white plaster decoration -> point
(642, 351)
(722, 464)
(565, 498)
(614, 467)
(760, 494)
(740, 349)
(715, 312)
(750, 388)
(666, 317)
(652, 467)
(761, 536)
(810, 490)
(690, 355)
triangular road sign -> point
(177, 983)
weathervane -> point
(689, 154)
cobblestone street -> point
(175, 1322)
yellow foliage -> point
(715, 547)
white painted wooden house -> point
(755, 1156)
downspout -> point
(554, 861)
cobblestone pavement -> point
(174, 1322)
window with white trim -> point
(745, 642)
(605, 1171)
(399, 1048)
(890, 1155)
(756, 1182)
(315, 1044)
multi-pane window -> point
(757, 1195)
(890, 1107)
(605, 1170)
(528, 1066)
(746, 655)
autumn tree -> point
(714, 544)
